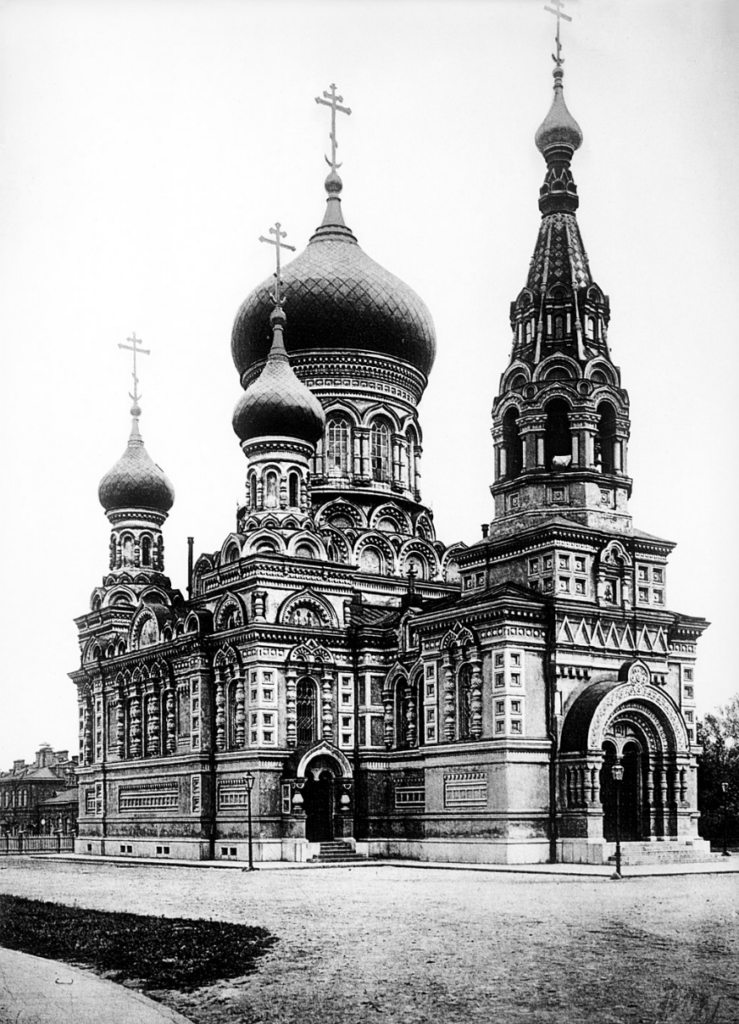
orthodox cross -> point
(134, 347)
(558, 12)
(332, 100)
(277, 293)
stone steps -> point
(668, 852)
(338, 851)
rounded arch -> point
(342, 515)
(325, 749)
(421, 557)
(335, 544)
(373, 553)
(119, 597)
(230, 549)
(388, 518)
(306, 545)
(424, 527)
(599, 370)
(229, 613)
(264, 542)
(306, 608)
(569, 366)
(515, 370)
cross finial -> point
(134, 346)
(558, 12)
(331, 99)
(277, 293)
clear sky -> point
(146, 144)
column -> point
(449, 715)
(134, 726)
(327, 702)
(240, 712)
(476, 699)
(220, 712)
(388, 723)
(411, 732)
(152, 723)
(291, 717)
(170, 722)
(120, 725)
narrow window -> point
(270, 490)
(464, 702)
(380, 448)
(338, 447)
(253, 490)
(606, 438)
(513, 444)
(293, 490)
(557, 439)
(146, 550)
(307, 712)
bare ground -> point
(408, 945)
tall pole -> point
(249, 780)
(724, 791)
(618, 774)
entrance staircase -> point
(681, 851)
(339, 851)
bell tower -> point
(561, 417)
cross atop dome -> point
(134, 346)
(558, 12)
(277, 293)
(334, 101)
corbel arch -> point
(229, 613)
(262, 540)
(393, 515)
(341, 515)
(230, 549)
(516, 369)
(560, 362)
(382, 560)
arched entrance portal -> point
(326, 794)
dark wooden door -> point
(319, 809)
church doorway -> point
(319, 807)
(321, 797)
(631, 795)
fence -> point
(36, 844)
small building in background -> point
(40, 797)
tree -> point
(718, 763)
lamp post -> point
(617, 770)
(725, 816)
(249, 780)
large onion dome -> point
(339, 298)
(135, 481)
(277, 404)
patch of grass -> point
(156, 952)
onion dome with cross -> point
(135, 481)
(337, 298)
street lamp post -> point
(725, 816)
(249, 780)
(617, 771)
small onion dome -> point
(277, 404)
(339, 299)
(136, 481)
(559, 127)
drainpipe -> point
(190, 542)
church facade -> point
(340, 673)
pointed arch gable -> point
(459, 636)
(308, 654)
(324, 749)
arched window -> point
(127, 548)
(559, 327)
(370, 560)
(557, 439)
(253, 490)
(412, 442)
(146, 550)
(512, 445)
(293, 487)
(271, 494)
(403, 712)
(605, 442)
(338, 447)
(464, 702)
(307, 712)
(380, 449)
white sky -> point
(146, 144)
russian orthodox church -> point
(376, 687)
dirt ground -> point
(391, 945)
